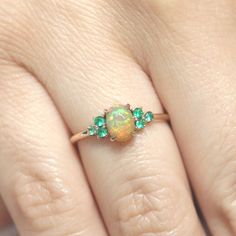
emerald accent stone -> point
(148, 116)
(99, 121)
(140, 124)
(92, 130)
(102, 132)
(138, 112)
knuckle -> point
(42, 197)
(147, 207)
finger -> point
(5, 218)
(199, 92)
(41, 179)
(142, 183)
(141, 187)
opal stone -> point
(120, 123)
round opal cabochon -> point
(120, 123)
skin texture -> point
(63, 62)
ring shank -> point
(81, 135)
(161, 117)
(84, 134)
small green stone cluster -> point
(98, 128)
(140, 118)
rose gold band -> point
(84, 134)
(81, 135)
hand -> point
(62, 62)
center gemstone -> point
(120, 123)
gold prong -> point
(128, 105)
(112, 139)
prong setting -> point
(112, 139)
(128, 106)
(102, 126)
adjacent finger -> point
(199, 92)
(41, 179)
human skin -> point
(63, 62)
(5, 218)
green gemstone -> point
(138, 112)
(92, 130)
(102, 132)
(148, 116)
(99, 121)
(140, 124)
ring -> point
(119, 123)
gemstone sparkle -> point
(99, 121)
(140, 124)
(120, 123)
(138, 112)
(102, 132)
(92, 130)
(148, 116)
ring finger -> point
(140, 187)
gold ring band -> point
(120, 123)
